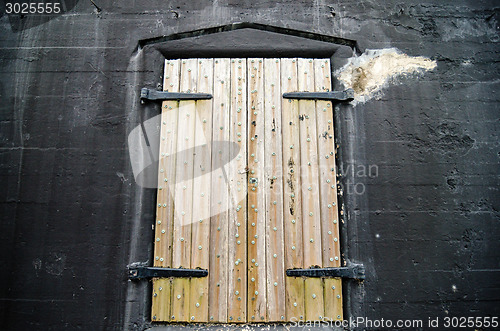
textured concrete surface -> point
(426, 224)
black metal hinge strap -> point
(354, 272)
(152, 95)
(347, 95)
(155, 272)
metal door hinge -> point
(347, 95)
(152, 95)
(354, 271)
(155, 272)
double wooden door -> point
(246, 189)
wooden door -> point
(246, 189)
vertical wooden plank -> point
(201, 193)
(328, 189)
(292, 202)
(181, 257)
(256, 308)
(237, 264)
(218, 274)
(310, 190)
(160, 310)
(162, 293)
(333, 299)
(273, 186)
(309, 167)
(314, 299)
(327, 174)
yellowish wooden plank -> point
(201, 193)
(218, 274)
(310, 190)
(181, 257)
(256, 308)
(313, 295)
(160, 309)
(333, 299)
(292, 202)
(294, 299)
(162, 288)
(237, 296)
(328, 189)
(274, 192)
(198, 302)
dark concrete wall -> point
(72, 217)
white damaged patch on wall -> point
(376, 69)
